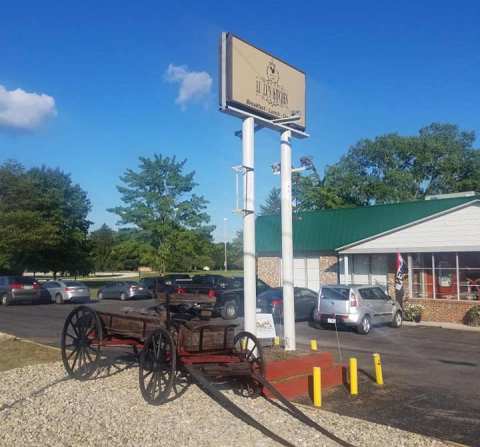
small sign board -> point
(258, 83)
(265, 328)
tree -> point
(392, 168)
(272, 203)
(102, 244)
(43, 221)
(159, 200)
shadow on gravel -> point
(33, 394)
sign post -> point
(287, 240)
(265, 92)
(249, 261)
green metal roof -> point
(328, 230)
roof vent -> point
(453, 195)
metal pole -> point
(434, 277)
(457, 268)
(287, 240)
(225, 242)
(249, 262)
(410, 276)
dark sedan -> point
(271, 301)
(124, 290)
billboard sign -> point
(254, 81)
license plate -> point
(27, 287)
(331, 320)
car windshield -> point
(335, 293)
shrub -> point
(472, 317)
(413, 312)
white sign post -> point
(249, 261)
(267, 92)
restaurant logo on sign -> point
(258, 83)
(269, 88)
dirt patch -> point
(15, 353)
(273, 353)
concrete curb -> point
(453, 326)
(4, 337)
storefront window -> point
(449, 276)
(469, 272)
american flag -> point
(401, 270)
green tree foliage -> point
(43, 221)
(391, 168)
(158, 199)
(102, 242)
(272, 203)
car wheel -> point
(100, 296)
(397, 320)
(365, 325)
(123, 297)
(59, 298)
(5, 300)
(229, 311)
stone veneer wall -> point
(328, 269)
(268, 270)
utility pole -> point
(225, 220)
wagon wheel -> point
(247, 346)
(157, 367)
(80, 343)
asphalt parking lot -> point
(432, 375)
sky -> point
(90, 86)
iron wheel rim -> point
(80, 343)
(157, 369)
(248, 348)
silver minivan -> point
(358, 306)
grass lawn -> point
(16, 353)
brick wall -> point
(450, 311)
(268, 270)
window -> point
(335, 293)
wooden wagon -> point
(165, 343)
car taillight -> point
(212, 293)
(180, 290)
(277, 302)
(16, 285)
(68, 289)
(36, 285)
(353, 299)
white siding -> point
(299, 276)
(456, 231)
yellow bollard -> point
(352, 369)
(378, 369)
(276, 341)
(313, 345)
(243, 343)
(317, 386)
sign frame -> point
(231, 106)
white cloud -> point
(23, 111)
(194, 85)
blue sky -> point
(372, 68)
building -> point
(438, 237)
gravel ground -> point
(39, 407)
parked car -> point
(229, 299)
(160, 283)
(19, 289)
(123, 290)
(67, 291)
(357, 306)
(271, 301)
(201, 283)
